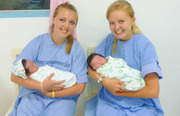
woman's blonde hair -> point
(125, 6)
(70, 37)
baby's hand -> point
(49, 84)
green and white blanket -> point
(117, 68)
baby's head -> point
(29, 66)
(95, 60)
(24, 68)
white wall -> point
(158, 19)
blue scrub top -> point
(139, 53)
(43, 51)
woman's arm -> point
(47, 84)
(113, 85)
(151, 90)
(76, 89)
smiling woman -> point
(58, 49)
(128, 43)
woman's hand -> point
(76, 89)
(113, 85)
(49, 84)
(47, 93)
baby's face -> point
(31, 66)
(97, 61)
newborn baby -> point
(117, 68)
(26, 68)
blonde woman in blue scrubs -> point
(127, 42)
(57, 49)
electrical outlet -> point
(90, 50)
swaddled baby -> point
(117, 68)
(26, 68)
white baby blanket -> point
(45, 71)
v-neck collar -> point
(51, 42)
